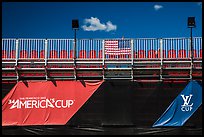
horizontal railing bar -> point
(138, 76)
(164, 61)
(118, 68)
(60, 78)
(8, 69)
(176, 78)
(89, 62)
(60, 68)
(89, 68)
(177, 68)
(118, 78)
(36, 62)
(148, 68)
(8, 62)
(147, 62)
(31, 68)
(117, 62)
(60, 62)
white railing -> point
(138, 48)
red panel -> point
(100, 54)
(42, 54)
(82, 54)
(34, 54)
(182, 53)
(172, 53)
(71, 55)
(200, 53)
(13, 54)
(63, 54)
(45, 102)
(23, 54)
(53, 54)
(4, 54)
(141, 54)
(92, 54)
(151, 54)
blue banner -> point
(183, 107)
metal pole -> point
(75, 75)
(191, 71)
(161, 57)
(191, 45)
(74, 44)
(46, 58)
(16, 64)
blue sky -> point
(100, 19)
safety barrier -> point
(94, 48)
(104, 58)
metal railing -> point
(139, 58)
(95, 48)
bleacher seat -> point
(82, 54)
(172, 53)
(42, 54)
(141, 54)
(34, 54)
(200, 53)
(151, 54)
(71, 54)
(13, 54)
(100, 54)
(23, 54)
(63, 54)
(182, 53)
(53, 54)
(4, 54)
(92, 54)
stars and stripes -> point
(117, 47)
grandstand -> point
(138, 59)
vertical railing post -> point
(16, 64)
(74, 58)
(103, 57)
(45, 59)
(191, 47)
(132, 59)
(161, 56)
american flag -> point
(117, 47)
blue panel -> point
(183, 107)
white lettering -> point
(57, 104)
(70, 102)
(41, 104)
(186, 106)
(34, 103)
(15, 104)
(37, 103)
(28, 104)
(49, 104)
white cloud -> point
(158, 7)
(95, 24)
